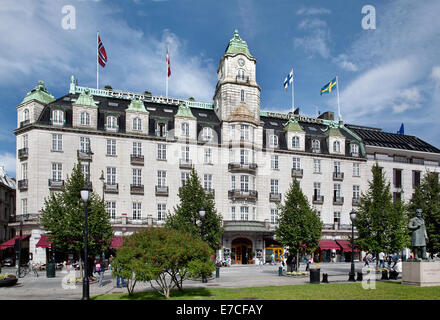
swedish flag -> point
(328, 87)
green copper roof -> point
(86, 99)
(293, 125)
(184, 112)
(40, 94)
(333, 130)
(237, 45)
(137, 105)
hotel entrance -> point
(241, 250)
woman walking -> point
(100, 268)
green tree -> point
(163, 256)
(427, 197)
(186, 215)
(63, 218)
(299, 227)
(380, 224)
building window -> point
(112, 122)
(316, 146)
(240, 74)
(273, 186)
(274, 162)
(242, 95)
(244, 213)
(295, 142)
(162, 151)
(137, 149)
(26, 115)
(137, 124)
(207, 182)
(397, 178)
(161, 211)
(24, 168)
(84, 144)
(111, 147)
(161, 178)
(111, 209)
(356, 170)
(111, 175)
(296, 163)
(137, 177)
(24, 209)
(185, 153)
(137, 210)
(244, 183)
(85, 169)
(397, 196)
(161, 129)
(57, 117)
(57, 171)
(337, 217)
(244, 132)
(337, 191)
(273, 140)
(337, 166)
(232, 213)
(185, 129)
(207, 134)
(232, 182)
(184, 176)
(273, 216)
(415, 179)
(354, 149)
(85, 118)
(57, 142)
(336, 146)
(356, 192)
(317, 190)
(208, 155)
(244, 156)
(25, 141)
(316, 166)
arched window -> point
(273, 141)
(112, 122)
(26, 115)
(295, 142)
(185, 129)
(57, 117)
(316, 146)
(242, 96)
(85, 118)
(240, 74)
(137, 124)
(336, 146)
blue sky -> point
(387, 76)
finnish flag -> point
(288, 80)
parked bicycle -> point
(27, 269)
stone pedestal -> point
(422, 274)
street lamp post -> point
(103, 183)
(202, 214)
(85, 196)
(352, 218)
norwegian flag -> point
(102, 55)
(168, 62)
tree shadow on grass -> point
(152, 295)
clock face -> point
(241, 62)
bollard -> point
(325, 278)
(217, 272)
(359, 276)
(280, 271)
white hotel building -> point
(146, 145)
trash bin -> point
(217, 272)
(50, 270)
(315, 275)
(280, 271)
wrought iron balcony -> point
(338, 176)
(275, 197)
(297, 173)
(240, 194)
(24, 123)
(338, 200)
(111, 187)
(356, 201)
(162, 191)
(242, 167)
(23, 153)
(55, 184)
(137, 159)
(137, 189)
(210, 192)
(318, 199)
(84, 155)
(185, 164)
(22, 184)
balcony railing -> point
(111, 128)
(162, 191)
(23, 153)
(24, 123)
(116, 220)
(297, 173)
(111, 187)
(275, 197)
(137, 189)
(22, 184)
(84, 155)
(210, 192)
(185, 164)
(318, 199)
(356, 201)
(27, 217)
(242, 79)
(339, 176)
(242, 167)
(137, 159)
(338, 200)
(240, 194)
(55, 184)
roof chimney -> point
(328, 115)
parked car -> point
(9, 262)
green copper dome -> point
(293, 125)
(40, 94)
(184, 112)
(86, 99)
(137, 105)
(237, 45)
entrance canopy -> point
(43, 242)
(11, 242)
(328, 245)
(346, 245)
(116, 242)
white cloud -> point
(7, 160)
(435, 75)
(343, 62)
(317, 39)
(312, 11)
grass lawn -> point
(343, 291)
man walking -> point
(381, 260)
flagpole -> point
(339, 109)
(97, 55)
(293, 94)
(166, 75)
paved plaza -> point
(31, 287)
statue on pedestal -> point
(418, 236)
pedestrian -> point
(294, 263)
(395, 259)
(261, 262)
(381, 260)
(389, 260)
(272, 259)
(100, 269)
(309, 260)
(289, 262)
(120, 282)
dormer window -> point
(85, 118)
(26, 115)
(273, 140)
(185, 129)
(161, 129)
(336, 146)
(111, 123)
(137, 124)
(207, 134)
(295, 142)
(354, 149)
(316, 147)
(57, 117)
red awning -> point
(11, 242)
(346, 245)
(43, 242)
(328, 245)
(116, 242)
